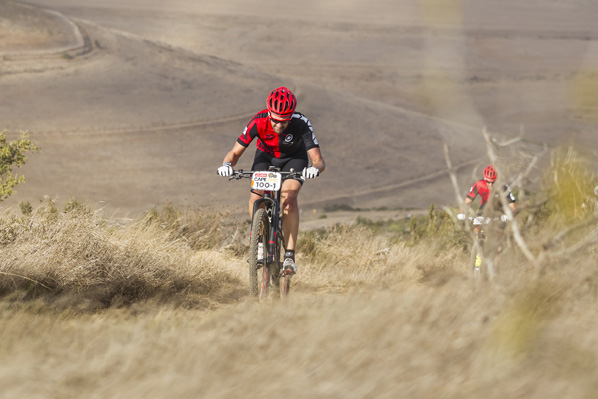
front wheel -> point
(259, 273)
(476, 260)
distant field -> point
(147, 108)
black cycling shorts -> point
(263, 161)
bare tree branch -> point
(530, 166)
(452, 175)
(561, 235)
(590, 239)
(507, 210)
(506, 143)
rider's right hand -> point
(461, 216)
(225, 170)
(310, 173)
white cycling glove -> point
(310, 173)
(225, 170)
(461, 216)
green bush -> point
(12, 153)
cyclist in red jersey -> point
(483, 188)
(285, 139)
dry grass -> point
(76, 254)
(415, 340)
(350, 257)
(131, 310)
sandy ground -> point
(134, 103)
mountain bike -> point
(477, 248)
(481, 265)
(266, 247)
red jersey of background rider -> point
(481, 188)
(298, 136)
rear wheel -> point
(277, 263)
(285, 285)
(259, 274)
(283, 281)
(276, 266)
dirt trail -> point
(51, 33)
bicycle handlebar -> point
(246, 174)
(479, 220)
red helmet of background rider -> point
(282, 101)
(490, 173)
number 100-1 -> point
(266, 185)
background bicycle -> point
(482, 259)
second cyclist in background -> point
(485, 188)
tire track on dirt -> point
(84, 43)
(355, 196)
(148, 129)
(79, 38)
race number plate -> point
(269, 181)
(480, 220)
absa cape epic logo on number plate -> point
(269, 181)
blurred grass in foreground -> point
(158, 307)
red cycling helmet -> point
(490, 173)
(282, 101)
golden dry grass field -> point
(159, 308)
(123, 269)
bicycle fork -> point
(478, 261)
(274, 221)
(481, 257)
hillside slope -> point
(145, 113)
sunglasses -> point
(276, 121)
(490, 181)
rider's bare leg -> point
(290, 209)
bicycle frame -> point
(272, 206)
(479, 254)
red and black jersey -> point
(481, 188)
(298, 136)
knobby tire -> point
(476, 251)
(283, 280)
(265, 283)
(285, 285)
(260, 232)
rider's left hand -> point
(310, 173)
